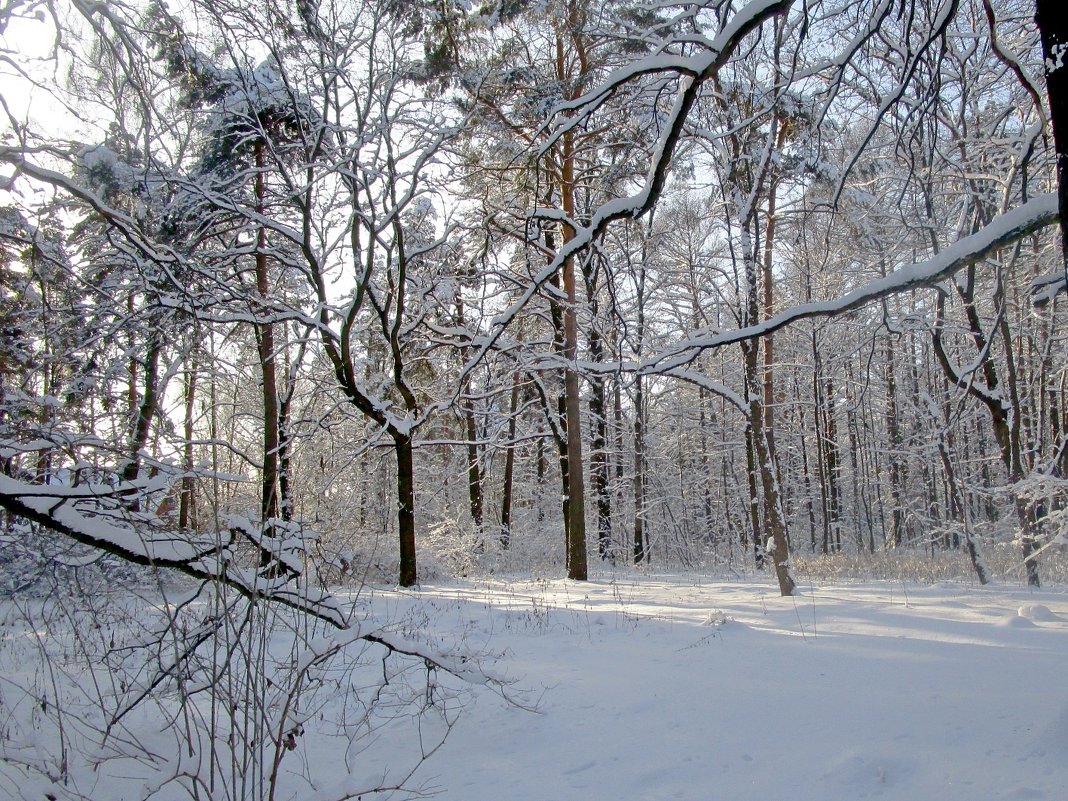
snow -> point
(645, 686)
(1056, 58)
(673, 688)
(108, 166)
